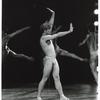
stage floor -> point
(74, 92)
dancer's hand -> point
(80, 44)
(71, 27)
(50, 10)
(85, 60)
(7, 49)
(31, 59)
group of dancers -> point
(48, 42)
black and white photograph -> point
(49, 50)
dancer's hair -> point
(45, 26)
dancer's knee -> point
(56, 78)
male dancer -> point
(91, 40)
(50, 61)
(6, 50)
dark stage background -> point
(20, 13)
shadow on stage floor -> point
(74, 92)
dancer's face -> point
(47, 28)
(48, 31)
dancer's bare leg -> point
(57, 81)
(14, 54)
(94, 71)
(93, 67)
(72, 55)
(63, 52)
(46, 73)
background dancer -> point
(92, 41)
(62, 52)
(6, 50)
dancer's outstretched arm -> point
(18, 31)
(63, 52)
(85, 40)
(59, 34)
(9, 51)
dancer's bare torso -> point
(47, 47)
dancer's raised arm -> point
(51, 21)
(85, 40)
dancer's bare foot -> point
(31, 59)
(84, 60)
(64, 98)
(39, 98)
